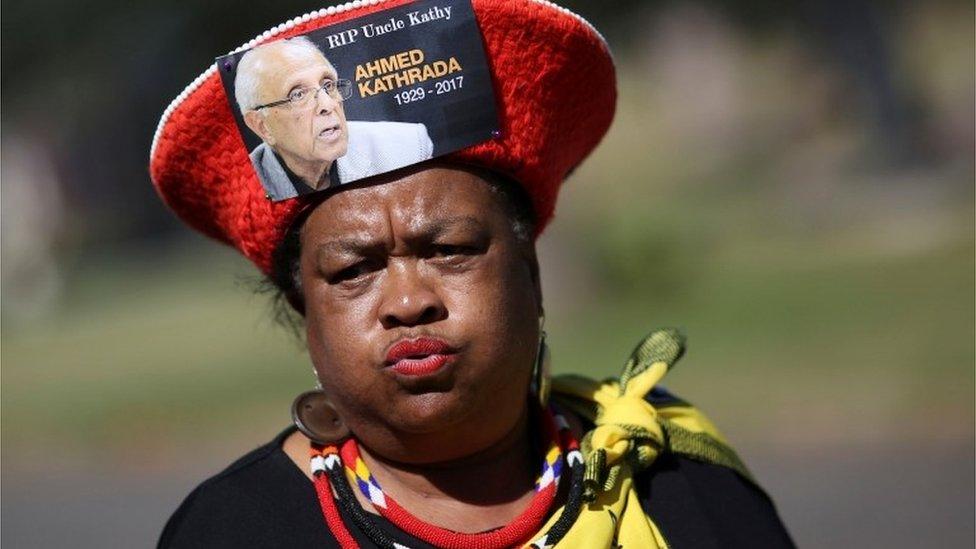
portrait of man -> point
(291, 97)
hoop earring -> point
(315, 417)
(541, 375)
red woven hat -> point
(554, 84)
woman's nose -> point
(409, 298)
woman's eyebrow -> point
(365, 245)
(352, 245)
(440, 226)
(428, 232)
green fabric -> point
(702, 447)
(631, 428)
(668, 346)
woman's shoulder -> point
(695, 488)
(708, 505)
(260, 500)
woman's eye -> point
(352, 272)
(448, 250)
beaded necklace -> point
(327, 467)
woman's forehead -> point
(432, 197)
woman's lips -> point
(419, 357)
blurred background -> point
(791, 183)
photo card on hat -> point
(362, 97)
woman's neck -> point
(478, 492)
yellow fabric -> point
(628, 436)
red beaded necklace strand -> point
(562, 448)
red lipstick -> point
(419, 357)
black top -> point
(264, 500)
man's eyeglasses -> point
(340, 90)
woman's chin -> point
(430, 412)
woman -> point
(423, 315)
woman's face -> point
(422, 310)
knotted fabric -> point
(633, 424)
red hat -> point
(555, 89)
